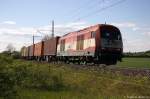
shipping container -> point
(26, 52)
(23, 49)
(50, 46)
(31, 50)
(38, 50)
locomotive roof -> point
(90, 28)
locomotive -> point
(98, 44)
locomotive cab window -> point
(105, 35)
(119, 37)
(114, 35)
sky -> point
(20, 20)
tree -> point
(10, 48)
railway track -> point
(111, 68)
(132, 71)
(114, 69)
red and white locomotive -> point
(100, 44)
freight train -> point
(98, 44)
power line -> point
(87, 5)
(99, 10)
(92, 6)
(79, 8)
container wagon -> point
(38, 51)
(50, 49)
(31, 52)
(24, 52)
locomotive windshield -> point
(109, 33)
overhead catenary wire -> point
(87, 5)
(99, 10)
(79, 8)
(92, 6)
(96, 11)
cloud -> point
(147, 34)
(20, 36)
(125, 25)
(17, 30)
(136, 28)
(136, 37)
(61, 29)
(136, 45)
(141, 29)
(17, 45)
(132, 26)
(9, 22)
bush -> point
(16, 55)
(21, 74)
(5, 60)
(7, 82)
(44, 80)
(31, 75)
(57, 83)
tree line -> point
(137, 54)
(11, 50)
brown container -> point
(50, 46)
(26, 52)
(31, 50)
(23, 49)
(38, 51)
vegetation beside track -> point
(22, 79)
(130, 62)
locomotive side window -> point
(62, 45)
(80, 42)
(93, 34)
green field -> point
(22, 79)
(135, 63)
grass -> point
(85, 84)
(38, 94)
(61, 81)
(135, 63)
